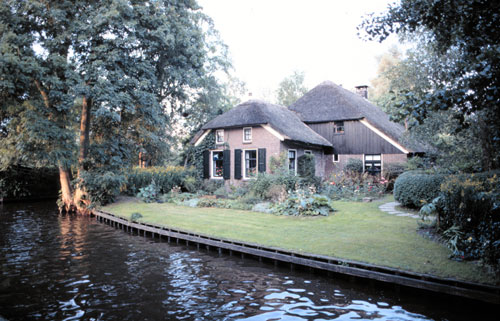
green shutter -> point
(237, 163)
(206, 164)
(262, 160)
(226, 164)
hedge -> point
(164, 177)
(415, 189)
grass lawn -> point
(357, 231)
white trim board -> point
(273, 131)
(202, 137)
(384, 136)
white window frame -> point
(244, 167)
(333, 158)
(212, 165)
(381, 163)
(335, 127)
(295, 161)
(217, 136)
(247, 141)
(307, 151)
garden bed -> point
(357, 231)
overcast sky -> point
(269, 39)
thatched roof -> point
(330, 102)
(281, 119)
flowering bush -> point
(354, 186)
(469, 206)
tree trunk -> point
(80, 199)
(66, 191)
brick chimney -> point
(362, 91)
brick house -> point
(355, 127)
(247, 136)
(329, 122)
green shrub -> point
(165, 178)
(260, 186)
(354, 165)
(415, 189)
(190, 184)
(209, 186)
(277, 193)
(306, 166)
(224, 203)
(149, 193)
(207, 202)
(391, 172)
(469, 214)
(221, 191)
(304, 202)
(135, 216)
(102, 187)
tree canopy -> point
(291, 88)
(90, 84)
(464, 35)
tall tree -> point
(468, 31)
(291, 88)
(87, 84)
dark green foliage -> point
(463, 37)
(165, 178)
(415, 189)
(354, 165)
(306, 166)
(102, 186)
(224, 203)
(261, 185)
(195, 154)
(391, 172)
(469, 216)
(135, 63)
(149, 193)
(135, 216)
(18, 182)
(209, 186)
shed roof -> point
(280, 118)
(330, 102)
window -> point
(373, 164)
(335, 158)
(217, 164)
(292, 160)
(338, 127)
(308, 152)
(250, 163)
(247, 135)
(219, 136)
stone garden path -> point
(391, 209)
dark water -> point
(66, 267)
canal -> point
(68, 267)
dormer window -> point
(219, 136)
(338, 127)
(247, 134)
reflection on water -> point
(66, 267)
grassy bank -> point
(357, 231)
